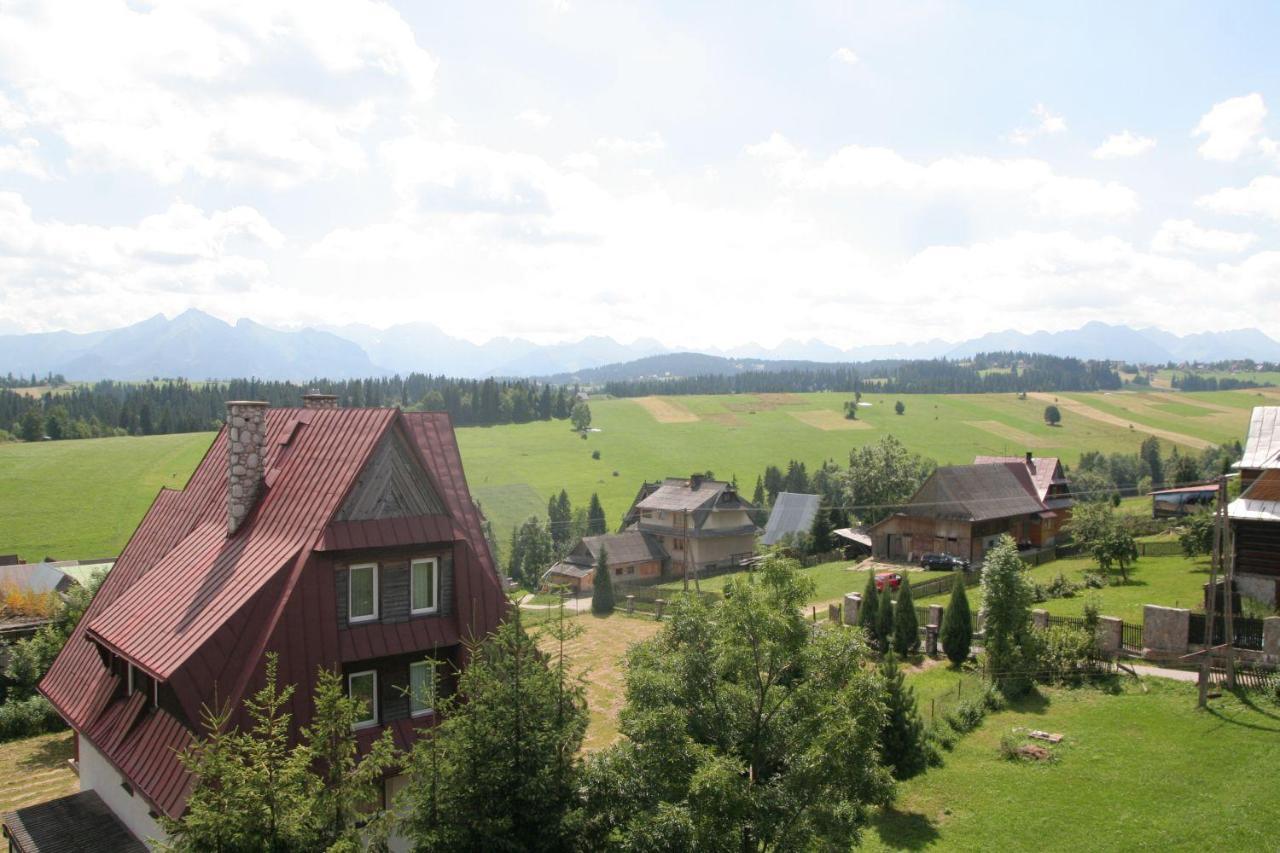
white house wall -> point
(97, 774)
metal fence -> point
(1248, 632)
(1131, 636)
(1072, 621)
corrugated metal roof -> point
(1208, 487)
(977, 493)
(1043, 470)
(1261, 501)
(73, 824)
(36, 577)
(678, 495)
(1262, 447)
(792, 513)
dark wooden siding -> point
(340, 591)
(393, 588)
(1258, 547)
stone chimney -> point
(246, 458)
(315, 400)
(1030, 464)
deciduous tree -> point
(1007, 596)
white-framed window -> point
(362, 592)
(364, 686)
(424, 585)
(422, 688)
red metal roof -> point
(197, 608)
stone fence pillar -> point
(1271, 639)
(1164, 629)
(931, 640)
(852, 606)
(1110, 636)
(1040, 619)
(935, 614)
(631, 604)
(658, 604)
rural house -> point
(1050, 481)
(1255, 515)
(700, 523)
(963, 510)
(792, 514)
(342, 538)
(633, 556)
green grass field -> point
(1139, 768)
(83, 498)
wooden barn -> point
(963, 510)
(338, 538)
(632, 556)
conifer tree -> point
(602, 591)
(902, 739)
(597, 524)
(884, 619)
(956, 631)
(820, 531)
(870, 611)
(906, 629)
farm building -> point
(1255, 515)
(1184, 500)
(963, 510)
(699, 523)
(792, 515)
(342, 538)
(1050, 481)
(633, 556)
(1262, 446)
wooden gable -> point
(392, 485)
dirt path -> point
(1084, 410)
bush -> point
(1093, 580)
(967, 716)
(1009, 743)
(595, 454)
(1066, 654)
(26, 717)
(1060, 587)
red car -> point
(893, 579)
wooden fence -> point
(1159, 549)
(937, 586)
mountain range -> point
(196, 345)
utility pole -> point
(1228, 592)
(1218, 516)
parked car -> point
(891, 579)
(944, 562)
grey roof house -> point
(792, 514)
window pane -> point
(361, 592)
(422, 691)
(424, 585)
(362, 688)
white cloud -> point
(651, 142)
(1184, 236)
(534, 118)
(21, 158)
(97, 274)
(1261, 197)
(857, 167)
(845, 56)
(1046, 123)
(1123, 144)
(1233, 129)
(172, 90)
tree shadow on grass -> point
(53, 753)
(1226, 716)
(1031, 702)
(905, 830)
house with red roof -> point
(342, 538)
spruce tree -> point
(884, 619)
(602, 590)
(870, 609)
(957, 624)
(902, 739)
(597, 524)
(906, 629)
(820, 532)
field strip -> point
(827, 420)
(1013, 434)
(665, 411)
(1087, 411)
(1175, 397)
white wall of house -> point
(723, 519)
(393, 786)
(97, 774)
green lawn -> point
(1137, 769)
(1172, 581)
(82, 499)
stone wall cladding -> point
(1164, 629)
(246, 458)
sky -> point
(707, 174)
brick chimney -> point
(315, 400)
(695, 482)
(246, 458)
(1030, 463)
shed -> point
(1184, 500)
